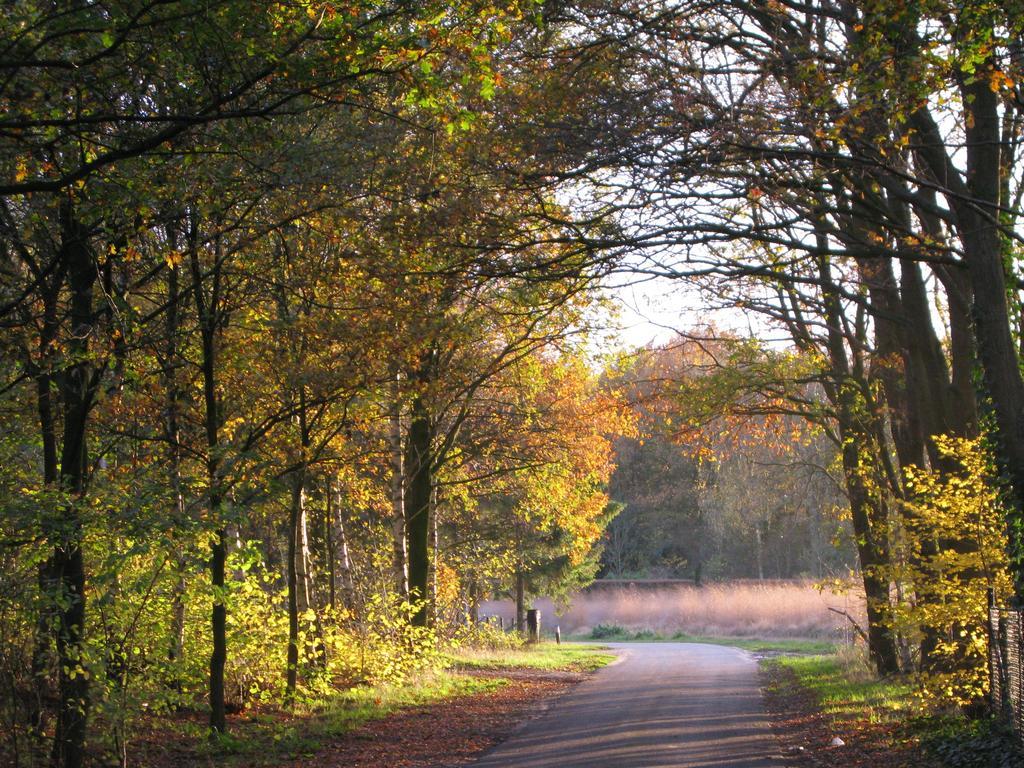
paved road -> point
(662, 705)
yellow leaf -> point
(997, 79)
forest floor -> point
(813, 701)
(449, 733)
(444, 718)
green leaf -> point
(487, 87)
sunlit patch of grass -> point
(845, 688)
(267, 738)
(353, 707)
(572, 657)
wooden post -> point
(533, 625)
(558, 635)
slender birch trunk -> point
(399, 539)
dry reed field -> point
(770, 609)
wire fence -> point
(1006, 663)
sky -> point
(656, 309)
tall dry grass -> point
(775, 609)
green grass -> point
(763, 644)
(847, 690)
(572, 657)
(614, 633)
(269, 738)
(353, 707)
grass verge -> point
(270, 735)
(764, 645)
(617, 634)
(885, 719)
(846, 690)
(832, 710)
(267, 737)
(569, 657)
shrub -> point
(602, 631)
(960, 511)
(487, 636)
(381, 645)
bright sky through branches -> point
(656, 309)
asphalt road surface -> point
(662, 705)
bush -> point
(961, 510)
(602, 631)
(380, 646)
(487, 636)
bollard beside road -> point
(533, 625)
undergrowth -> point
(845, 687)
(985, 743)
(268, 735)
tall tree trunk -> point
(78, 384)
(172, 435)
(759, 550)
(292, 661)
(208, 312)
(520, 600)
(398, 533)
(975, 201)
(218, 623)
(301, 534)
(329, 536)
(434, 558)
(474, 601)
(891, 363)
(962, 350)
(914, 386)
(869, 527)
(418, 494)
(869, 514)
(344, 559)
(299, 601)
(41, 652)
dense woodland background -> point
(757, 501)
(302, 308)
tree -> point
(855, 178)
(159, 79)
